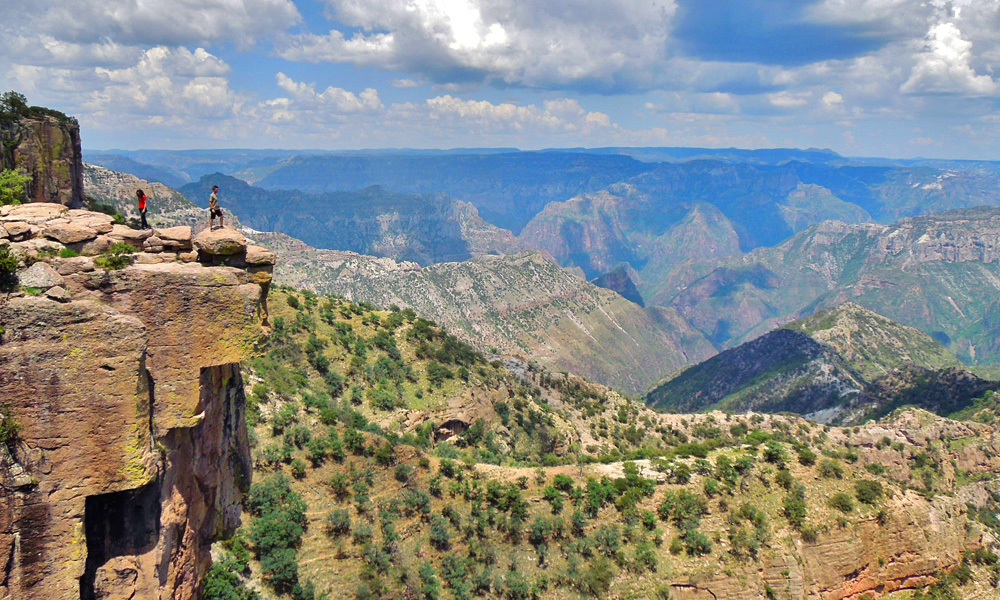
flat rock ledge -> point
(50, 241)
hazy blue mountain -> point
(123, 164)
(508, 189)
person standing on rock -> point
(141, 195)
(213, 207)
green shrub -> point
(831, 469)
(338, 522)
(222, 582)
(12, 187)
(8, 266)
(841, 502)
(868, 491)
(117, 256)
(563, 482)
(806, 456)
(298, 468)
(68, 253)
(440, 536)
(10, 428)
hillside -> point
(426, 229)
(371, 482)
(939, 273)
(845, 365)
(520, 305)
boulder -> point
(58, 293)
(221, 242)
(77, 264)
(3, 232)
(153, 244)
(36, 248)
(154, 258)
(261, 274)
(188, 257)
(69, 233)
(17, 230)
(178, 238)
(129, 235)
(257, 256)
(94, 246)
(40, 275)
(99, 222)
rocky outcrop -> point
(133, 454)
(45, 147)
(920, 540)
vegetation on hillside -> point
(392, 461)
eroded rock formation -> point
(133, 454)
(46, 148)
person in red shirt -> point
(141, 195)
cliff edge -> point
(124, 452)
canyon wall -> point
(131, 451)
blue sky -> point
(898, 78)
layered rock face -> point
(47, 149)
(132, 455)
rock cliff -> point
(45, 145)
(123, 389)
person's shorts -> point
(216, 212)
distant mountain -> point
(519, 305)
(939, 273)
(766, 156)
(759, 204)
(123, 164)
(507, 189)
(843, 364)
(373, 221)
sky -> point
(893, 78)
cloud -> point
(789, 100)
(944, 67)
(585, 44)
(166, 85)
(45, 50)
(832, 99)
(336, 99)
(148, 22)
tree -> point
(440, 536)
(13, 102)
(12, 187)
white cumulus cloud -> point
(944, 66)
